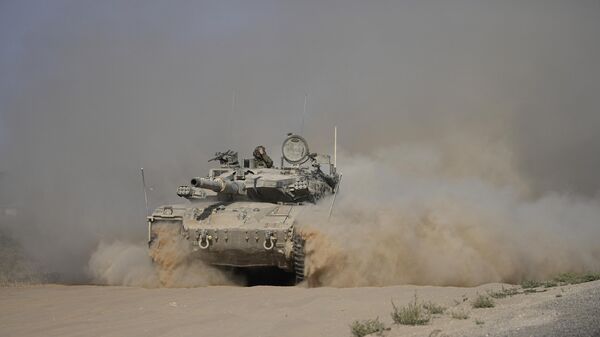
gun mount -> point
(228, 158)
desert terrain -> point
(58, 310)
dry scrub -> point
(482, 301)
(412, 314)
(433, 308)
(367, 327)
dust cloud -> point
(167, 263)
(470, 129)
(403, 216)
(15, 267)
(122, 263)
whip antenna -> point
(145, 192)
(337, 186)
(335, 192)
(335, 146)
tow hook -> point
(204, 237)
(269, 241)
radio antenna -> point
(145, 191)
(335, 192)
(337, 185)
(335, 146)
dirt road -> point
(53, 310)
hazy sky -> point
(92, 90)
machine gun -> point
(228, 158)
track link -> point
(299, 257)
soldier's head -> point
(259, 151)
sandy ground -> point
(53, 310)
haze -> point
(505, 92)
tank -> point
(243, 214)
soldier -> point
(261, 157)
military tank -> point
(243, 213)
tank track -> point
(299, 257)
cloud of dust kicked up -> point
(470, 130)
(406, 215)
(169, 264)
(403, 216)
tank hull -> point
(236, 234)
